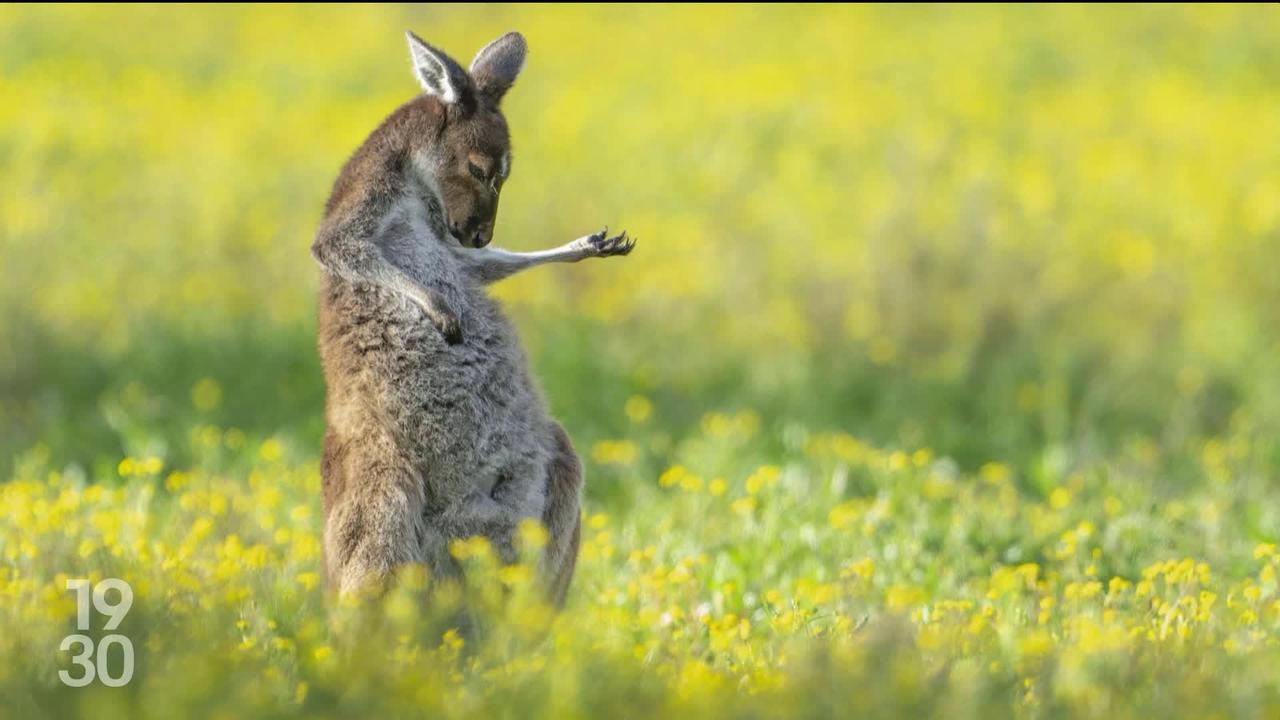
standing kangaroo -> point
(435, 429)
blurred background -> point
(1038, 234)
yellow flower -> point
(206, 394)
(512, 575)
(452, 639)
(271, 450)
(1036, 643)
(473, 547)
(672, 476)
(904, 596)
(691, 483)
(613, 452)
(638, 408)
(1059, 498)
(863, 569)
(995, 473)
(532, 534)
(1118, 585)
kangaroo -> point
(435, 430)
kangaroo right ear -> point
(497, 65)
(439, 74)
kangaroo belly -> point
(466, 416)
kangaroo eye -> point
(475, 170)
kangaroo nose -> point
(483, 235)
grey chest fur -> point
(465, 416)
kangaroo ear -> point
(439, 74)
(496, 66)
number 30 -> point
(99, 667)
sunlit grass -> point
(844, 576)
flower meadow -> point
(944, 382)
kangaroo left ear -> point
(439, 74)
(496, 66)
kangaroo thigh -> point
(373, 516)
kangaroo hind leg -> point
(375, 525)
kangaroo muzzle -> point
(473, 234)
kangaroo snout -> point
(474, 234)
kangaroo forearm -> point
(489, 265)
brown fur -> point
(435, 429)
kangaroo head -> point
(471, 158)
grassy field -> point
(945, 381)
